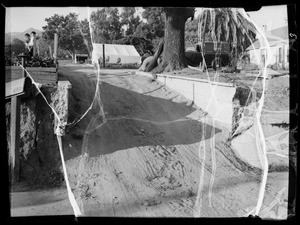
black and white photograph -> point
(149, 111)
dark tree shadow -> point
(136, 120)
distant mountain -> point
(9, 37)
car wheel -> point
(213, 64)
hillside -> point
(20, 35)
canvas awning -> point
(114, 53)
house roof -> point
(115, 49)
(274, 37)
(282, 32)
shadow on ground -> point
(134, 119)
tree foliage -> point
(17, 46)
(12, 51)
(86, 34)
(227, 25)
(43, 46)
(191, 32)
(153, 28)
(130, 20)
(110, 26)
(67, 28)
(106, 25)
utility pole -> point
(55, 48)
(103, 60)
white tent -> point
(113, 52)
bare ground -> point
(144, 161)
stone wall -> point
(214, 97)
(38, 143)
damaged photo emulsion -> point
(119, 124)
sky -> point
(18, 19)
(272, 16)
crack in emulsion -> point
(267, 210)
(213, 158)
(198, 202)
(261, 145)
(260, 140)
(202, 147)
(59, 133)
(60, 126)
(92, 126)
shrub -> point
(48, 179)
(122, 66)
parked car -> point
(216, 55)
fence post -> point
(15, 137)
(15, 130)
(50, 51)
(23, 64)
(38, 48)
(55, 48)
(203, 64)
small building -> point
(115, 53)
(81, 56)
(279, 46)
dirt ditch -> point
(151, 153)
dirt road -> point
(154, 154)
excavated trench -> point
(235, 107)
(39, 148)
(275, 125)
(147, 153)
(39, 153)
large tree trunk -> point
(173, 48)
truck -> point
(216, 54)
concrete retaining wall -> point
(214, 98)
(235, 108)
